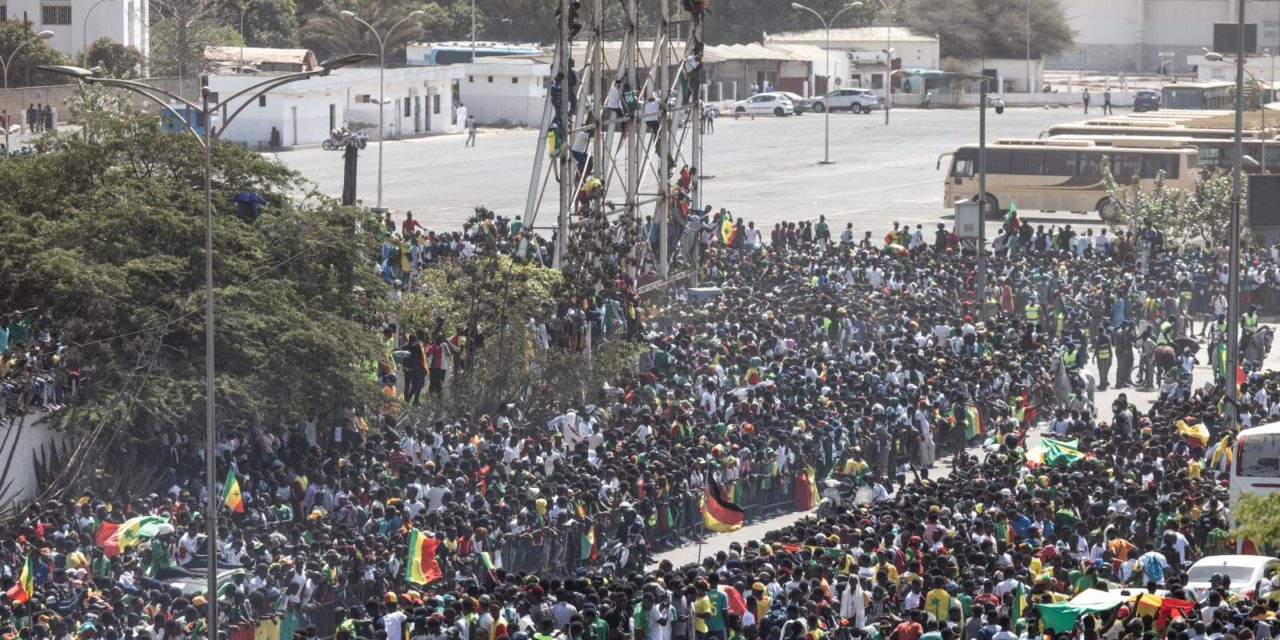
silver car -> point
(853, 99)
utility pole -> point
(564, 53)
(664, 134)
(1231, 408)
(981, 288)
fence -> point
(14, 102)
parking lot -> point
(765, 169)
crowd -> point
(819, 360)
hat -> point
(389, 598)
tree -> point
(1201, 215)
(973, 29)
(116, 59)
(180, 31)
(268, 23)
(105, 236)
(22, 71)
(329, 33)
(742, 21)
(1258, 515)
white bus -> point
(1256, 468)
(1062, 175)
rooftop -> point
(254, 56)
(858, 34)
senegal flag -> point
(718, 513)
(1051, 452)
(231, 493)
(588, 545)
(1019, 608)
(26, 585)
(420, 566)
(727, 230)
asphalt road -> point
(765, 169)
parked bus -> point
(1144, 127)
(1198, 95)
(455, 54)
(1256, 469)
(1062, 175)
(1215, 153)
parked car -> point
(765, 103)
(1244, 572)
(1146, 100)
(800, 103)
(855, 100)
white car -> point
(855, 100)
(1245, 572)
(765, 103)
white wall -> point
(36, 439)
(121, 20)
(304, 106)
(1009, 69)
(515, 95)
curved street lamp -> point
(206, 110)
(826, 25)
(43, 35)
(382, 70)
(84, 30)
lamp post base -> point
(379, 209)
(822, 162)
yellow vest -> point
(1033, 313)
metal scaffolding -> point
(623, 115)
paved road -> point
(764, 169)
(756, 531)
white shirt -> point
(462, 115)
(614, 99)
(394, 624)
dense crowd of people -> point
(817, 359)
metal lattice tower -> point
(629, 170)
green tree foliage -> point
(22, 71)
(116, 59)
(972, 29)
(1258, 515)
(742, 21)
(268, 23)
(106, 237)
(328, 33)
(180, 31)
(1202, 215)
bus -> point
(1144, 127)
(1198, 95)
(1215, 153)
(1256, 469)
(1062, 175)
(456, 53)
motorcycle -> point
(340, 138)
(617, 558)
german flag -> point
(718, 513)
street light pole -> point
(1231, 410)
(981, 288)
(244, 10)
(206, 111)
(84, 31)
(43, 35)
(826, 111)
(1029, 46)
(473, 31)
(382, 72)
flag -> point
(973, 424)
(1011, 218)
(26, 585)
(1197, 434)
(1061, 616)
(727, 230)
(106, 531)
(718, 514)
(130, 533)
(231, 493)
(1051, 452)
(1222, 366)
(1019, 607)
(421, 566)
(1163, 609)
(588, 546)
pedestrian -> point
(461, 115)
(651, 116)
(1102, 354)
(31, 118)
(471, 131)
(1086, 101)
(1106, 102)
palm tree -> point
(329, 33)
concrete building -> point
(419, 101)
(1011, 73)
(1131, 35)
(76, 23)
(503, 90)
(911, 49)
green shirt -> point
(719, 604)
